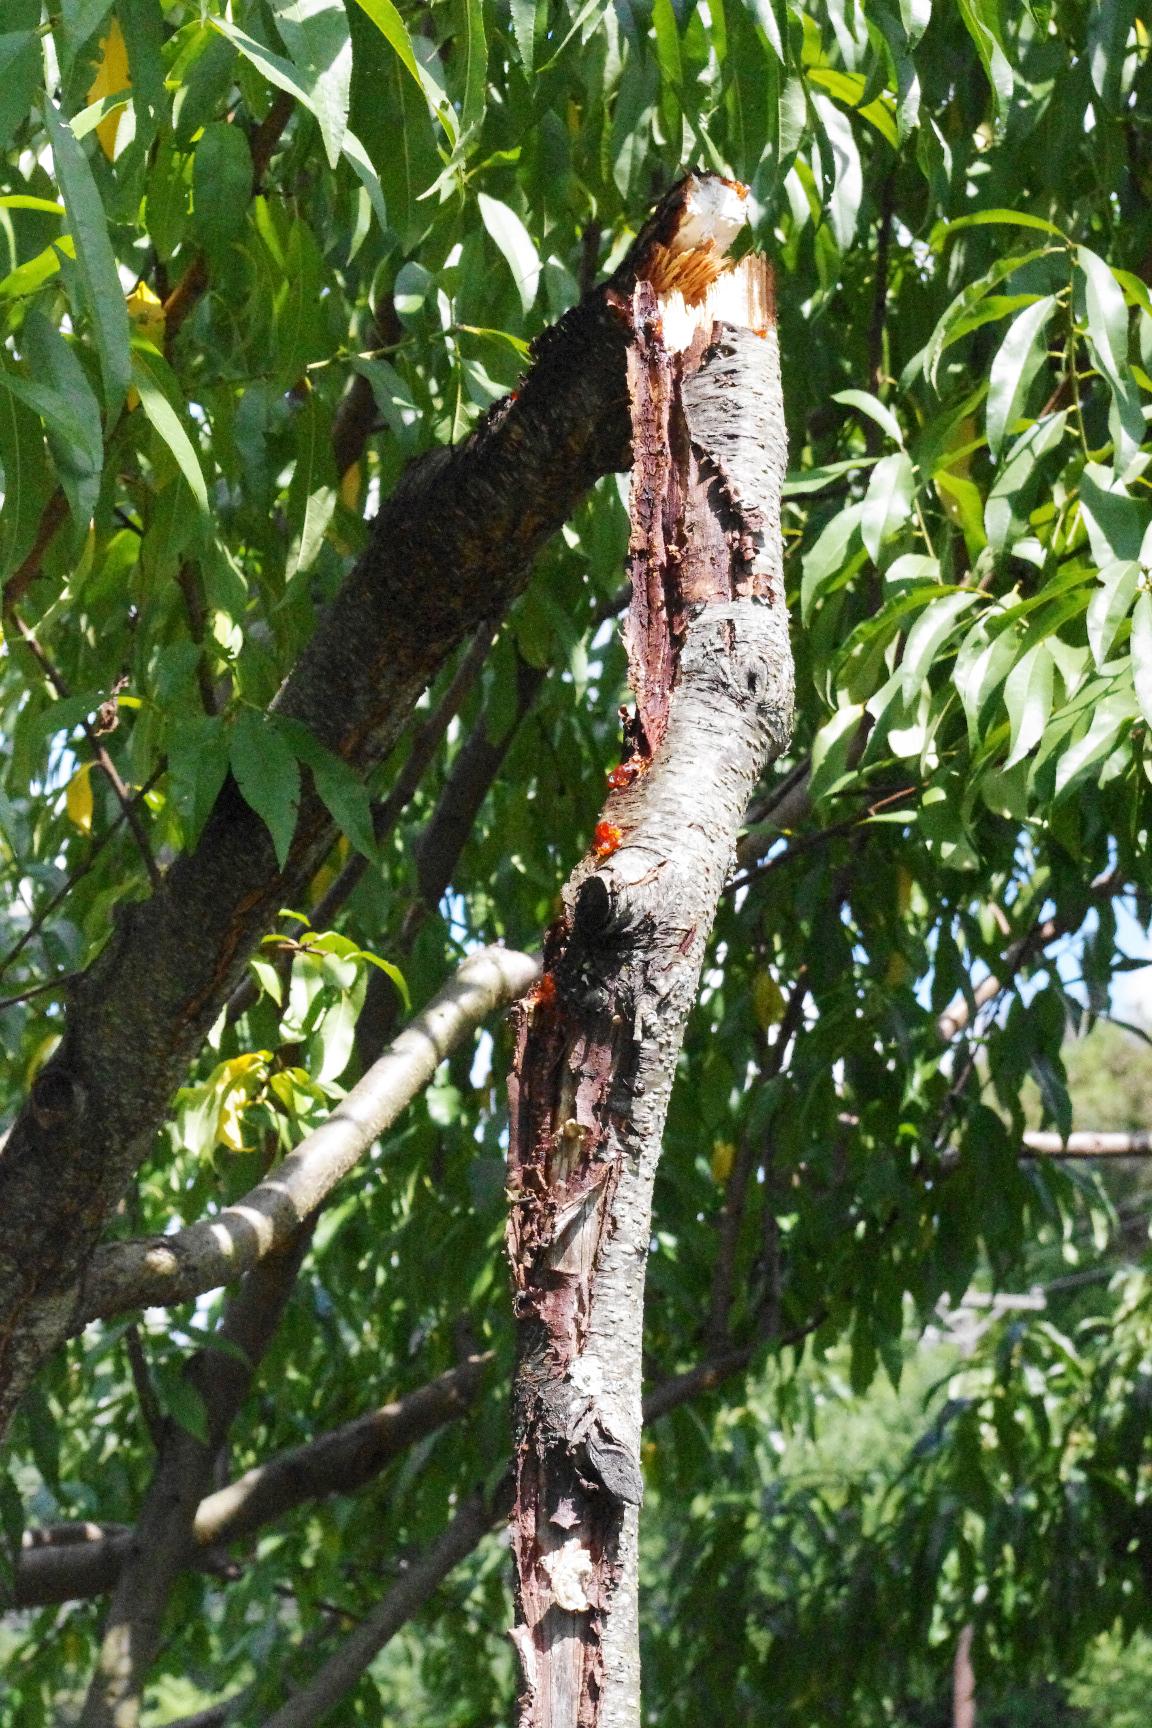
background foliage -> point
(214, 222)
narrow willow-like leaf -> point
(281, 72)
(1018, 360)
(316, 35)
(1142, 652)
(515, 243)
(1028, 699)
(99, 278)
(158, 391)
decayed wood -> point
(599, 1036)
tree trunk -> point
(598, 1038)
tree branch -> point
(345, 1666)
(1087, 1144)
(458, 536)
(161, 1270)
(158, 1549)
(69, 1561)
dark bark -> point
(450, 548)
(599, 1037)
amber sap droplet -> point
(624, 775)
(544, 995)
(606, 839)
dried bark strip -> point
(598, 1038)
(450, 548)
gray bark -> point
(161, 1270)
(600, 1036)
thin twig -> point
(76, 876)
(123, 796)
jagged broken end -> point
(684, 244)
(742, 295)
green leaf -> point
(31, 275)
(887, 502)
(1015, 486)
(197, 751)
(1107, 313)
(1018, 360)
(221, 184)
(1109, 27)
(1001, 218)
(1110, 605)
(340, 788)
(1116, 522)
(392, 972)
(265, 769)
(952, 324)
(470, 60)
(928, 635)
(158, 390)
(1109, 718)
(27, 477)
(395, 32)
(983, 662)
(524, 31)
(285, 76)
(875, 410)
(805, 480)
(1028, 699)
(269, 980)
(667, 34)
(1142, 652)
(828, 557)
(847, 172)
(915, 15)
(312, 494)
(99, 279)
(515, 243)
(982, 21)
(73, 420)
(832, 750)
(21, 78)
(316, 35)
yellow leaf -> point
(112, 76)
(898, 970)
(40, 1055)
(723, 1158)
(78, 799)
(350, 487)
(767, 1000)
(239, 1081)
(146, 310)
(903, 889)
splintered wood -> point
(598, 1039)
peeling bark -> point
(598, 1037)
(450, 548)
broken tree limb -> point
(598, 1038)
(450, 548)
(160, 1270)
